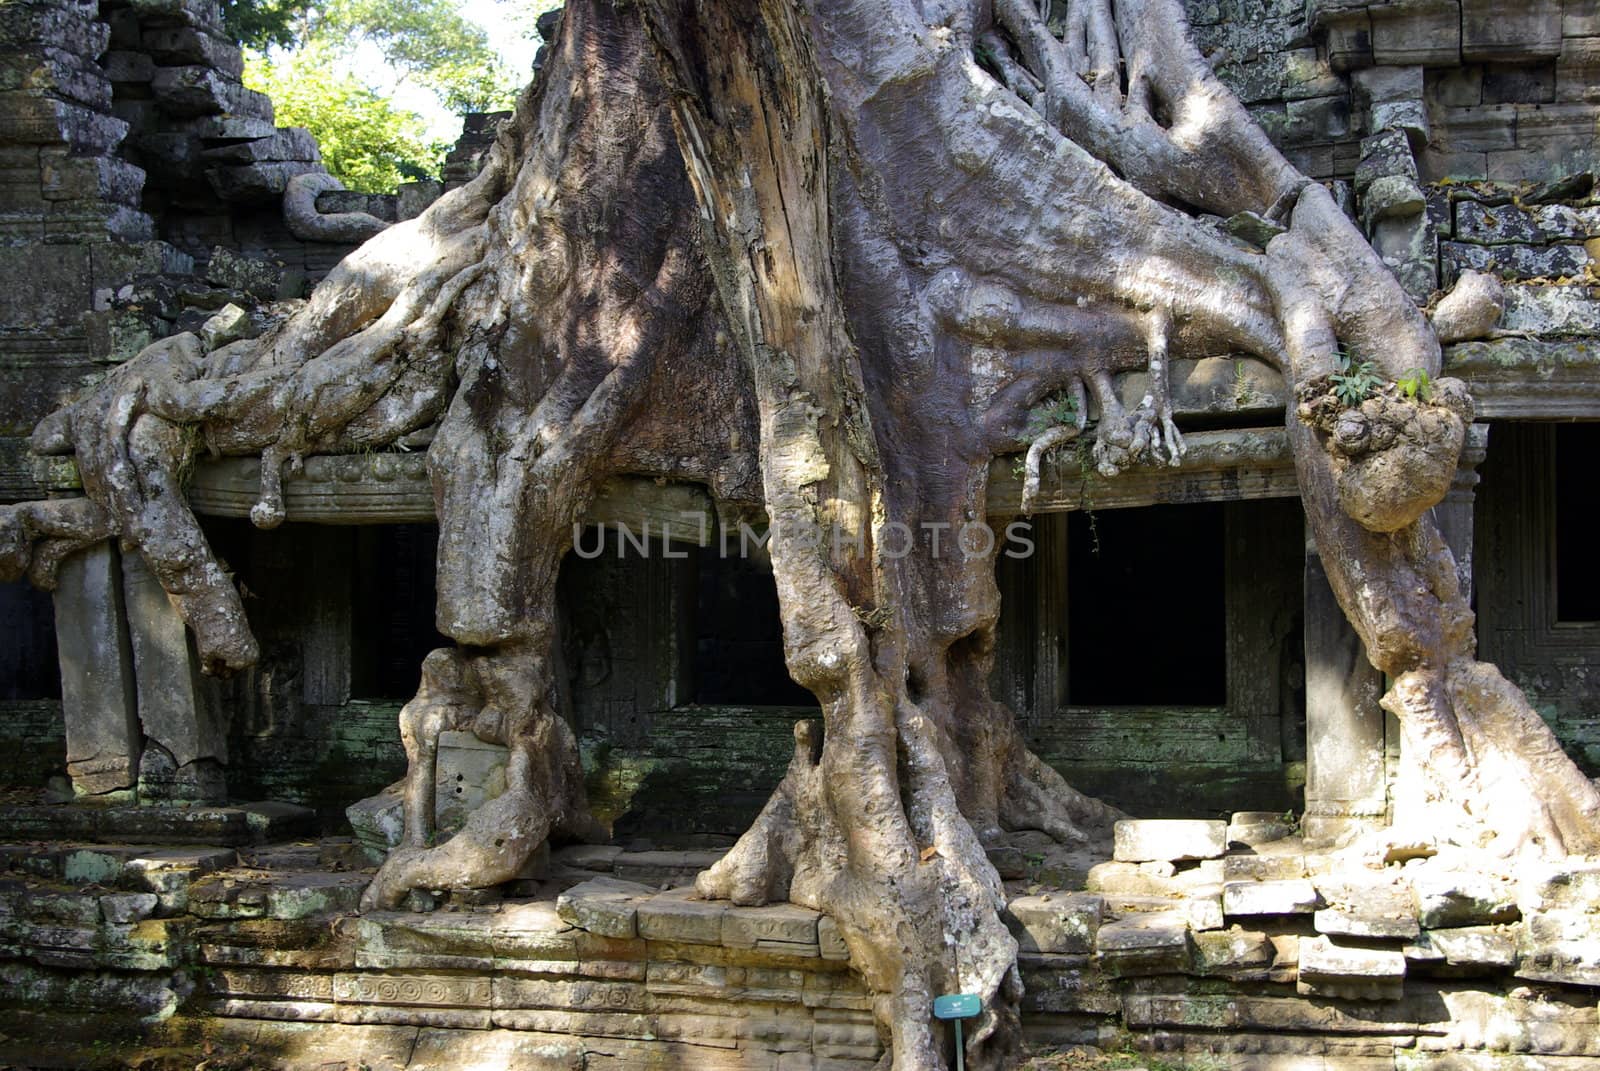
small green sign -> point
(957, 1006)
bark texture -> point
(827, 257)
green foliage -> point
(1415, 384)
(260, 23)
(427, 41)
(367, 142)
(305, 55)
(1355, 381)
(1053, 410)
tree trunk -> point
(818, 258)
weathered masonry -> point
(144, 191)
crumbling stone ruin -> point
(192, 858)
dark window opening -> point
(738, 655)
(1577, 565)
(1146, 616)
(392, 619)
(28, 666)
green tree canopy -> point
(303, 55)
(367, 142)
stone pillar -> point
(97, 686)
(1049, 614)
(1346, 786)
(1454, 514)
(187, 739)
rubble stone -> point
(1169, 839)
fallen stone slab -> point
(1561, 946)
(1231, 950)
(1056, 922)
(1350, 973)
(1169, 839)
(1153, 943)
(1294, 896)
(605, 906)
(1449, 898)
(1467, 950)
(1252, 828)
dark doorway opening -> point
(392, 618)
(738, 652)
(1577, 565)
(1146, 607)
(28, 665)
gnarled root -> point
(502, 697)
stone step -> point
(1169, 839)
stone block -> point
(1514, 261)
(289, 143)
(1254, 828)
(1155, 878)
(604, 906)
(1380, 85)
(190, 91)
(1561, 947)
(1511, 223)
(1365, 925)
(1570, 885)
(66, 27)
(830, 941)
(1455, 898)
(1263, 867)
(215, 129)
(1169, 839)
(47, 285)
(1316, 119)
(73, 178)
(1290, 897)
(1420, 33)
(1384, 154)
(1230, 950)
(1056, 922)
(1153, 943)
(256, 182)
(127, 67)
(1307, 74)
(378, 822)
(1328, 969)
(97, 685)
(228, 324)
(468, 773)
(1528, 30)
(1520, 83)
(51, 72)
(1466, 949)
(1552, 310)
(787, 928)
(413, 198)
(191, 46)
(1410, 116)
(117, 335)
(673, 916)
(125, 909)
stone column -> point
(1454, 514)
(97, 684)
(187, 740)
(1049, 614)
(1346, 787)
